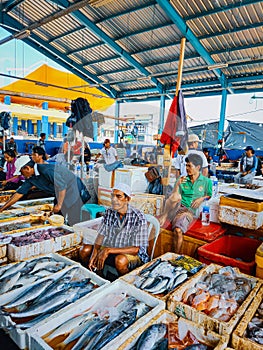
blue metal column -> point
(117, 115)
(49, 129)
(7, 100)
(55, 130)
(222, 115)
(23, 125)
(45, 120)
(29, 127)
(161, 117)
(38, 127)
(15, 125)
(95, 131)
(64, 129)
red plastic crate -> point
(228, 250)
(205, 233)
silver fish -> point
(13, 269)
(29, 294)
(158, 287)
(151, 336)
(8, 282)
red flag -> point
(175, 129)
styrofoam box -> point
(19, 336)
(130, 277)
(218, 342)
(88, 230)
(174, 304)
(35, 333)
(34, 202)
(15, 253)
(106, 178)
(214, 209)
(3, 250)
(258, 180)
(241, 217)
(132, 176)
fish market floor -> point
(7, 342)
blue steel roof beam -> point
(226, 8)
(67, 33)
(127, 12)
(10, 5)
(186, 31)
(54, 54)
(87, 47)
(113, 45)
(115, 71)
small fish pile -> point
(254, 329)
(14, 276)
(39, 300)
(98, 325)
(39, 236)
(188, 263)
(5, 216)
(160, 277)
(161, 336)
(220, 294)
(10, 226)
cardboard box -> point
(148, 203)
(239, 340)
(216, 341)
(175, 304)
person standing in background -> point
(108, 152)
(11, 145)
(41, 141)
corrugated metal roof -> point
(134, 45)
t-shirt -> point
(109, 155)
(191, 191)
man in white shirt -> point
(193, 142)
(108, 153)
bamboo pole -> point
(167, 157)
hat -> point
(249, 148)
(193, 138)
(123, 188)
(20, 162)
(106, 141)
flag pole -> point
(167, 157)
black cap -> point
(249, 148)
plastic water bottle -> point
(215, 187)
(78, 169)
(91, 165)
(205, 215)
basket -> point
(56, 220)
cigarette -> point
(95, 269)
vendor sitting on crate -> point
(188, 194)
(248, 167)
(122, 237)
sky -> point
(17, 58)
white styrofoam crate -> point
(15, 253)
(19, 336)
(35, 333)
(106, 178)
(240, 217)
(88, 230)
(132, 176)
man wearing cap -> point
(193, 143)
(122, 237)
(248, 167)
(108, 153)
(55, 180)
